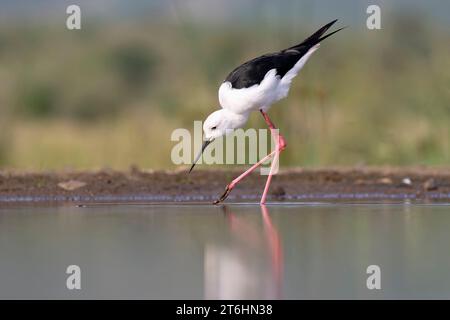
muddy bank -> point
(206, 185)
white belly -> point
(263, 95)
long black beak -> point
(205, 144)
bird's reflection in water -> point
(250, 265)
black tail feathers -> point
(316, 37)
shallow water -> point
(291, 251)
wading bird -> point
(255, 86)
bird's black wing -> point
(252, 72)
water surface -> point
(290, 251)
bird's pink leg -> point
(280, 145)
(242, 176)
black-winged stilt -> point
(256, 85)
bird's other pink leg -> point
(242, 176)
(280, 146)
(269, 178)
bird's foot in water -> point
(224, 195)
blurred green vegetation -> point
(110, 95)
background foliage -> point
(112, 93)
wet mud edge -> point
(138, 185)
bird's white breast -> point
(248, 99)
(260, 96)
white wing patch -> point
(262, 95)
(285, 83)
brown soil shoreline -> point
(137, 185)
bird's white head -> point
(217, 124)
(222, 122)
